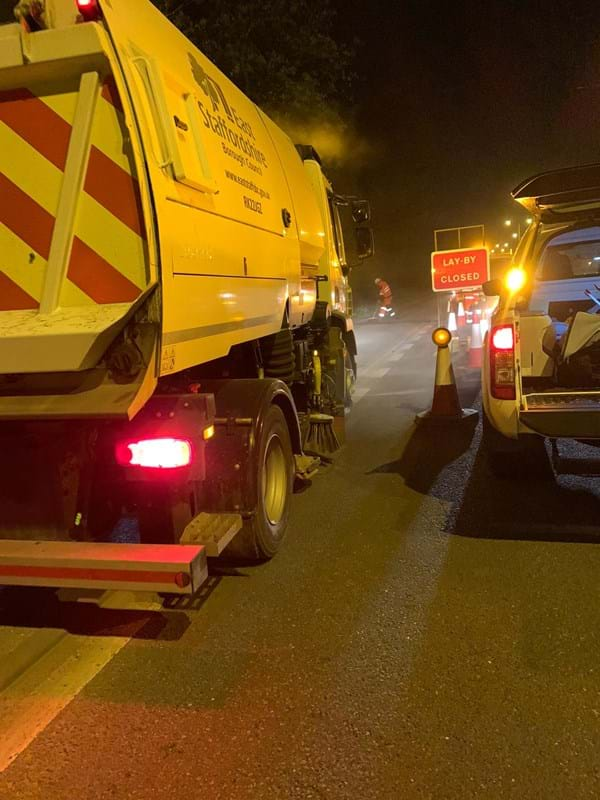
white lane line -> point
(358, 394)
(378, 373)
(393, 356)
(384, 357)
(32, 702)
(401, 393)
(38, 696)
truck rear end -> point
(80, 324)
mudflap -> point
(231, 484)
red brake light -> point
(502, 363)
(88, 9)
(503, 338)
(166, 453)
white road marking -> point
(38, 696)
(359, 394)
(33, 701)
(378, 373)
(401, 392)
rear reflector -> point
(165, 453)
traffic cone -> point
(452, 326)
(460, 317)
(476, 348)
(445, 408)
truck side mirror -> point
(361, 211)
(493, 288)
(365, 243)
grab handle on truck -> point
(145, 70)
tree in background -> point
(283, 54)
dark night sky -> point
(460, 102)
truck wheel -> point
(514, 459)
(262, 534)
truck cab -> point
(541, 369)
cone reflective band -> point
(441, 337)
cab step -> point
(170, 569)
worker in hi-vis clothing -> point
(385, 299)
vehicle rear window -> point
(574, 254)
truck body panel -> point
(235, 216)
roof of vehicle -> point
(562, 192)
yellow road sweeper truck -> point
(174, 304)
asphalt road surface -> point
(426, 632)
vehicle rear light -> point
(503, 338)
(164, 453)
(502, 362)
(89, 10)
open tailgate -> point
(561, 194)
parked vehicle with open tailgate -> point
(174, 303)
(541, 371)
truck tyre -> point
(513, 459)
(262, 534)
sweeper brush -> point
(320, 437)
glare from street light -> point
(514, 236)
(505, 244)
(508, 222)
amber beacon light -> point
(515, 279)
(441, 337)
